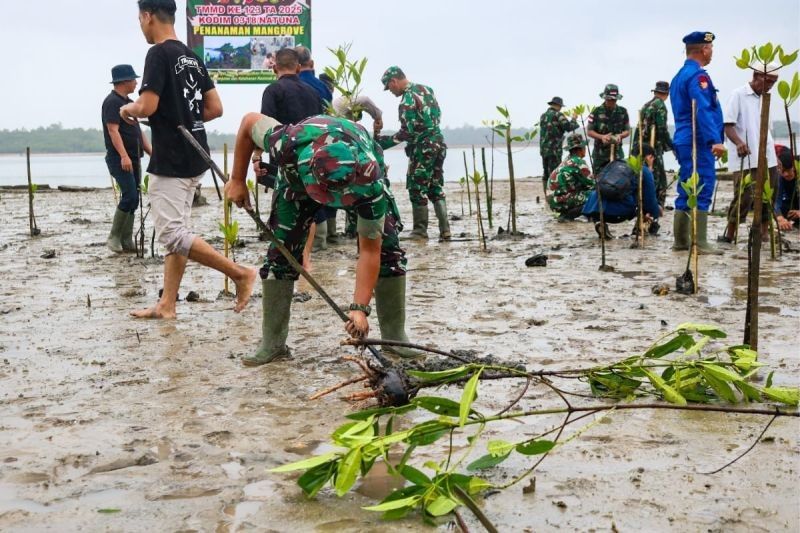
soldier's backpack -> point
(616, 180)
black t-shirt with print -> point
(130, 133)
(179, 78)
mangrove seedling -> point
(467, 180)
(253, 188)
(32, 188)
(579, 111)
(347, 75)
(144, 188)
(486, 184)
(760, 59)
(462, 182)
(503, 129)
(685, 370)
(477, 178)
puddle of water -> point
(238, 513)
(260, 490)
(233, 469)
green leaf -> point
(695, 349)
(785, 395)
(499, 447)
(721, 388)
(746, 55)
(765, 53)
(427, 432)
(784, 90)
(414, 476)
(487, 461)
(477, 485)
(109, 511)
(409, 502)
(709, 331)
(348, 472)
(670, 394)
(748, 391)
(787, 59)
(769, 379)
(535, 447)
(691, 202)
(441, 374)
(503, 111)
(674, 344)
(720, 372)
(316, 478)
(795, 92)
(441, 506)
(440, 406)
(307, 463)
(378, 411)
(742, 64)
(468, 396)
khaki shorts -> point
(171, 207)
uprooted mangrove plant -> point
(686, 369)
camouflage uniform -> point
(602, 120)
(552, 127)
(568, 185)
(654, 113)
(419, 129)
(355, 171)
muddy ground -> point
(107, 423)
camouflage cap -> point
(611, 92)
(574, 140)
(342, 174)
(393, 72)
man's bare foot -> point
(154, 312)
(244, 288)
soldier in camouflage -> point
(654, 126)
(553, 125)
(331, 162)
(570, 182)
(608, 126)
(425, 148)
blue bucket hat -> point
(122, 73)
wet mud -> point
(108, 423)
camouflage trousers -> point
(425, 177)
(660, 178)
(290, 220)
(549, 163)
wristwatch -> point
(366, 309)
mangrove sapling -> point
(347, 76)
(462, 183)
(143, 188)
(759, 59)
(722, 163)
(467, 180)
(789, 93)
(32, 188)
(503, 129)
(579, 111)
(684, 370)
(230, 233)
(476, 180)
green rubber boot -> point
(440, 208)
(276, 302)
(127, 233)
(681, 230)
(114, 241)
(703, 246)
(419, 214)
(320, 238)
(390, 304)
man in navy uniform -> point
(692, 83)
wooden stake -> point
(695, 179)
(226, 208)
(31, 222)
(466, 177)
(641, 174)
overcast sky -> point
(475, 54)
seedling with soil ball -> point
(686, 369)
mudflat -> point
(112, 423)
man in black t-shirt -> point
(177, 91)
(124, 147)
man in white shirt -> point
(742, 116)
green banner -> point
(238, 39)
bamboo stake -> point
(226, 208)
(512, 184)
(739, 192)
(486, 185)
(466, 177)
(31, 219)
(641, 174)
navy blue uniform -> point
(692, 82)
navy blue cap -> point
(122, 73)
(699, 37)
